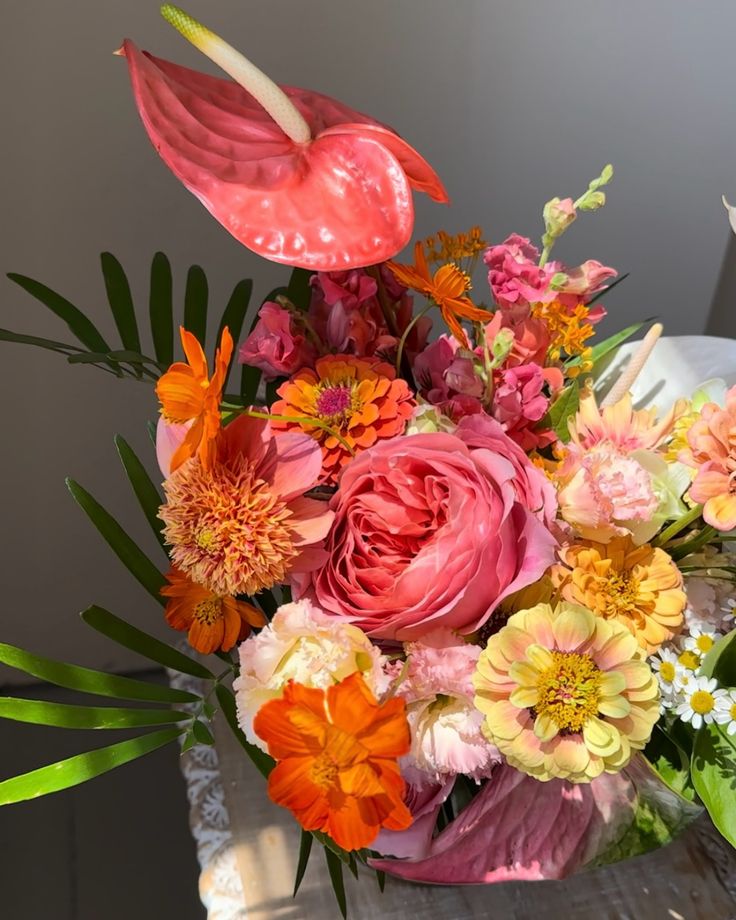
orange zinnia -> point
(214, 622)
(187, 394)
(447, 288)
(337, 753)
(358, 398)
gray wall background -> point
(512, 101)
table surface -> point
(693, 878)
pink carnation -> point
(276, 345)
(604, 493)
(434, 530)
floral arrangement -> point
(476, 615)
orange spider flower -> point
(213, 622)
(337, 753)
(446, 287)
(359, 398)
(188, 395)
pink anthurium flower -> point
(295, 176)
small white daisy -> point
(701, 639)
(701, 702)
(727, 706)
(689, 660)
(666, 667)
(728, 614)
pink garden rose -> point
(276, 345)
(434, 530)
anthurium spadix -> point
(295, 176)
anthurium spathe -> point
(295, 176)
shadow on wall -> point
(722, 314)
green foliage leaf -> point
(234, 314)
(83, 328)
(133, 558)
(305, 848)
(63, 715)
(262, 761)
(121, 301)
(81, 767)
(561, 410)
(146, 492)
(86, 680)
(604, 348)
(138, 641)
(670, 761)
(334, 867)
(195, 303)
(714, 777)
(161, 309)
(250, 380)
(202, 734)
(299, 291)
(720, 662)
(381, 879)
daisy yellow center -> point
(704, 643)
(732, 712)
(569, 690)
(667, 671)
(209, 611)
(702, 702)
(323, 772)
(689, 659)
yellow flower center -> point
(569, 690)
(702, 702)
(689, 659)
(323, 772)
(209, 611)
(621, 594)
(205, 539)
(667, 671)
(732, 712)
(704, 644)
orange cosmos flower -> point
(446, 287)
(213, 621)
(337, 756)
(359, 398)
(188, 395)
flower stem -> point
(390, 317)
(405, 335)
(680, 524)
(301, 420)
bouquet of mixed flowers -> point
(475, 614)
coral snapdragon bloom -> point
(213, 622)
(447, 287)
(187, 394)
(337, 753)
